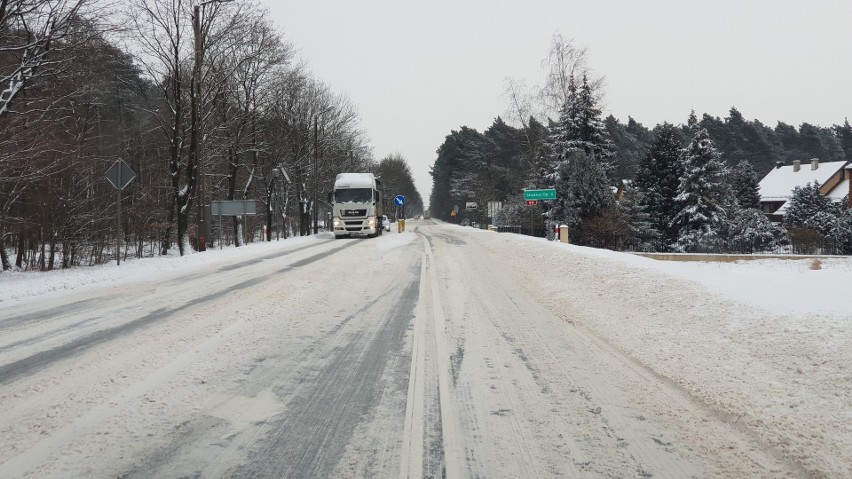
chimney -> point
(797, 165)
(814, 163)
(779, 164)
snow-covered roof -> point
(778, 184)
(354, 180)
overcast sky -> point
(418, 70)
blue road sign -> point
(399, 200)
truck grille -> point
(353, 213)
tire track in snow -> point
(12, 371)
(311, 437)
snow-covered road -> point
(441, 350)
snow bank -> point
(764, 344)
(17, 285)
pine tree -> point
(586, 189)
(632, 206)
(746, 185)
(807, 208)
(580, 129)
(591, 134)
(841, 231)
(657, 180)
(692, 123)
(702, 194)
(563, 133)
(750, 231)
(844, 136)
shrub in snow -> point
(841, 231)
(516, 212)
(749, 231)
(809, 209)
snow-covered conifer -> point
(692, 122)
(657, 180)
(591, 134)
(808, 208)
(750, 231)
(563, 132)
(841, 230)
(702, 194)
(586, 189)
(745, 183)
(632, 206)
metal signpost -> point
(399, 201)
(233, 208)
(119, 175)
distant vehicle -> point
(426, 215)
(357, 205)
(385, 223)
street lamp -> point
(197, 137)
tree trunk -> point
(182, 225)
(19, 260)
(4, 256)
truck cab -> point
(357, 205)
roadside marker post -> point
(119, 176)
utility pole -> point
(197, 139)
(316, 178)
(196, 126)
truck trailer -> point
(357, 205)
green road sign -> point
(540, 194)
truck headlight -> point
(337, 223)
(371, 222)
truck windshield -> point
(353, 195)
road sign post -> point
(400, 201)
(233, 208)
(119, 175)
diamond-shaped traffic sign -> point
(120, 175)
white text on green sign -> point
(540, 194)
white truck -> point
(357, 206)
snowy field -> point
(765, 346)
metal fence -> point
(791, 246)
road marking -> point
(449, 426)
